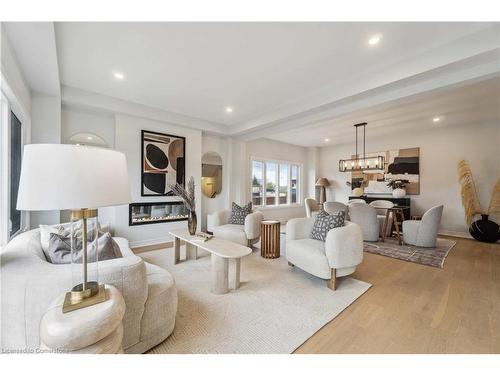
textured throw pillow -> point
(238, 214)
(46, 230)
(323, 222)
(59, 251)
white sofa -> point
(336, 257)
(30, 283)
(423, 232)
(246, 235)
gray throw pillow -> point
(238, 214)
(323, 222)
(59, 251)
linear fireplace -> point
(156, 212)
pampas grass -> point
(494, 206)
(468, 191)
(186, 194)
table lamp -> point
(80, 179)
(322, 182)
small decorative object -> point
(80, 179)
(322, 182)
(187, 196)
(162, 163)
(483, 230)
(357, 192)
(398, 188)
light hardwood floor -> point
(413, 308)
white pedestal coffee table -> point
(221, 252)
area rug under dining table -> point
(276, 309)
(433, 257)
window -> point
(274, 183)
(12, 221)
(16, 145)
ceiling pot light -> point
(436, 119)
(229, 110)
(119, 76)
(375, 39)
(327, 140)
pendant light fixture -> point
(361, 163)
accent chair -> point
(423, 232)
(366, 217)
(336, 257)
(246, 235)
(312, 207)
(334, 207)
(381, 206)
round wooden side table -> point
(270, 239)
(95, 329)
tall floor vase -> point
(192, 223)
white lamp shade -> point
(70, 177)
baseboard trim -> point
(453, 233)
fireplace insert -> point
(156, 212)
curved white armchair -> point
(30, 284)
(312, 206)
(355, 200)
(423, 232)
(366, 217)
(381, 206)
(334, 207)
(336, 257)
(246, 235)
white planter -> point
(399, 193)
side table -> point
(96, 329)
(270, 239)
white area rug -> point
(275, 310)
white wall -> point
(128, 141)
(74, 121)
(269, 149)
(440, 150)
(45, 128)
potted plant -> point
(187, 196)
(398, 188)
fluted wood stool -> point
(270, 239)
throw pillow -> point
(238, 214)
(59, 251)
(323, 222)
(46, 230)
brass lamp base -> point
(78, 298)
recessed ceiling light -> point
(436, 119)
(89, 138)
(229, 110)
(119, 76)
(327, 140)
(375, 39)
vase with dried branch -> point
(483, 229)
(187, 196)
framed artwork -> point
(163, 163)
(402, 164)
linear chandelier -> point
(364, 163)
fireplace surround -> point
(156, 212)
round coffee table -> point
(270, 239)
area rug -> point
(433, 257)
(276, 309)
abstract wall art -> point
(163, 163)
(402, 164)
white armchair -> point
(423, 232)
(381, 205)
(30, 284)
(334, 207)
(246, 235)
(312, 207)
(366, 217)
(336, 257)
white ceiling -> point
(471, 104)
(197, 69)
